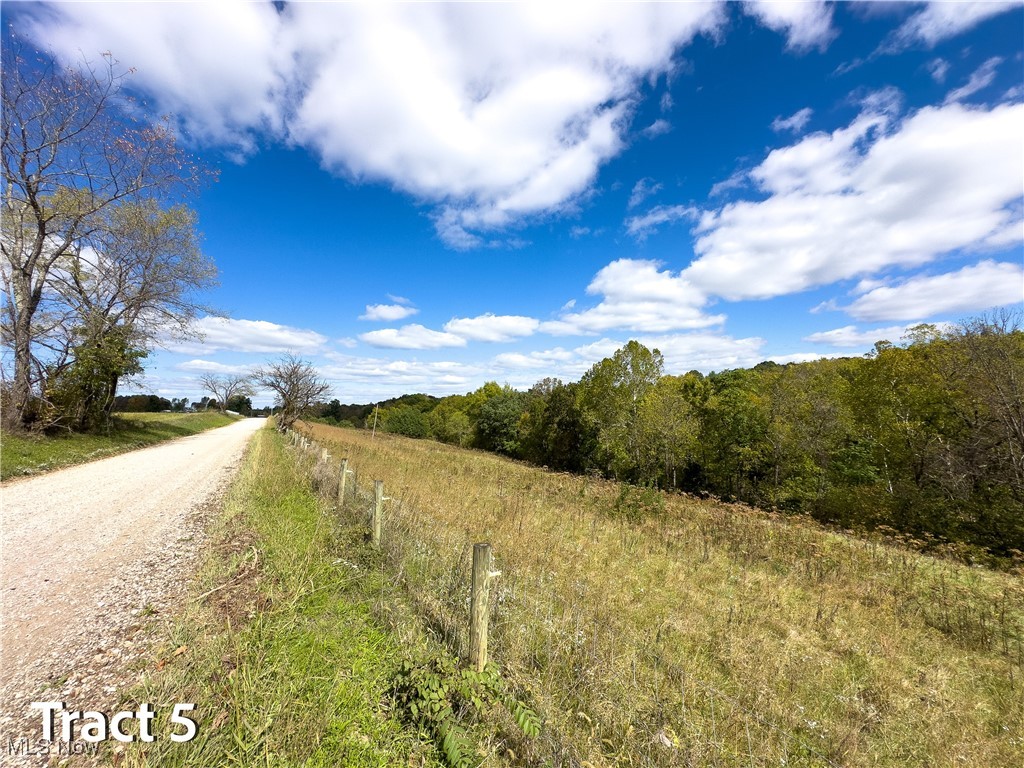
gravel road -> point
(87, 553)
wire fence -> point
(557, 655)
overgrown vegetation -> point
(28, 454)
(926, 438)
(686, 632)
(299, 649)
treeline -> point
(156, 404)
(926, 437)
(407, 414)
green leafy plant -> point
(636, 503)
(437, 695)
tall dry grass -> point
(708, 634)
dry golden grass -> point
(711, 634)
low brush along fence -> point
(346, 484)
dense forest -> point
(925, 437)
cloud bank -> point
(490, 112)
(880, 193)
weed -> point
(637, 503)
(285, 661)
(438, 695)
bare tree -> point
(70, 153)
(224, 388)
(297, 385)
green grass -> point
(702, 633)
(33, 454)
(278, 646)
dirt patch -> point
(238, 599)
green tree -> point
(70, 155)
(613, 391)
(498, 422)
(563, 435)
(449, 422)
(809, 424)
(405, 420)
(734, 451)
(241, 404)
(82, 391)
(332, 411)
(670, 428)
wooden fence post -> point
(378, 502)
(325, 456)
(478, 611)
(341, 482)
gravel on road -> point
(86, 554)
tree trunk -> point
(21, 387)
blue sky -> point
(422, 198)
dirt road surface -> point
(89, 555)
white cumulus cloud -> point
(229, 47)
(644, 224)
(491, 327)
(221, 333)
(658, 128)
(212, 366)
(806, 23)
(973, 288)
(875, 194)
(369, 379)
(637, 295)
(941, 20)
(852, 336)
(938, 69)
(388, 312)
(413, 336)
(794, 122)
(642, 190)
(548, 360)
(982, 77)
(490, 112)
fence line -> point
(481, 578)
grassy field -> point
(32, 454)
(667, 631)
(278, 646)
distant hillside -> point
(356, 414)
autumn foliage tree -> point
(83, 178)
(924, 435)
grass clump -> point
(278, 647)
(34, 454)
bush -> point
(636, 503)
